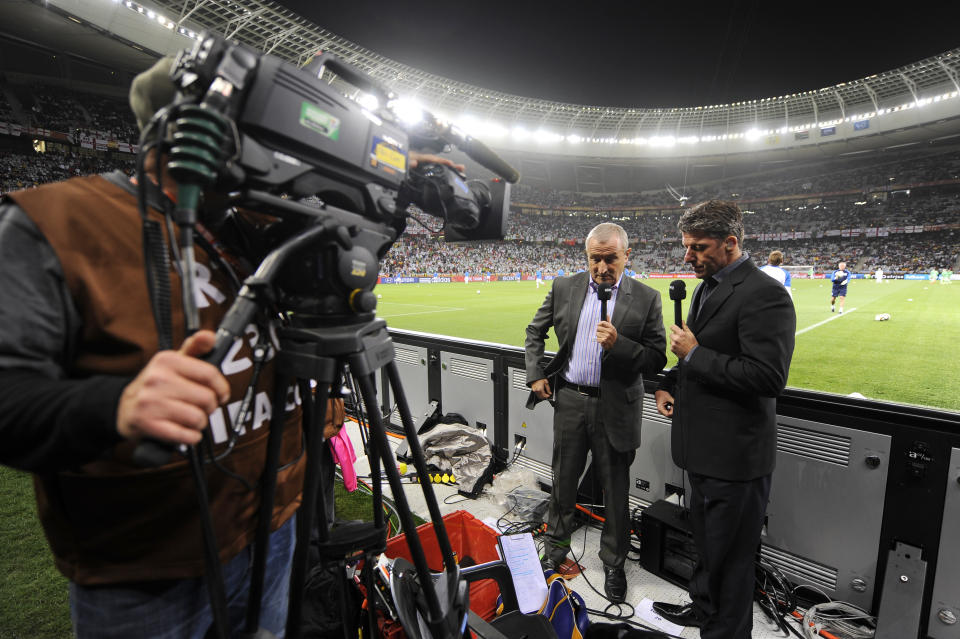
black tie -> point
(708, 285)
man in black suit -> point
(598, 378)
(734, 353)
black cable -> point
(619, 616)
(503, 517)
(775, 597)
(635, 522)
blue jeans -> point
(180, 608)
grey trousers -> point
(577, 429)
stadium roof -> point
(603, 149)
(269, 27)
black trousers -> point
(726, 518)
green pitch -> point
(911, 358)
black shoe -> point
(615, 584)
(548, 563)
(682, 615)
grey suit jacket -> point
(724, 420)
(640, 348)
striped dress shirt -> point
(584, 365)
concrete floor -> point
(585, 545)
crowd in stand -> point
(56, 110)
(6, 111)
(826, 177)
(904, 253)
(21, 171)
(818, 200)
(552, 243)
(73, 112)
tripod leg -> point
(214, 572)
(416, 450)
(379, 446)
(370, 577)
(311, 485)
(376, 479)
(268, 484)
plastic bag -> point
(528, 504)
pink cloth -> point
(343, 454)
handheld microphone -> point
(603, 294)
(678, 291)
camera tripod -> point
(318, 346)
(319, 352)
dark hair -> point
(718, 219)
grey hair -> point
(718, 219)
(607, 230)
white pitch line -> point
(416, 305)
(444, 310)
(829, 319)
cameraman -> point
(82, 381)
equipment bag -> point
(565, 609)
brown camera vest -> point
(110, 521)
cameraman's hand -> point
(172, 397)
(428, 158)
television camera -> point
(320, 187)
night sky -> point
(644, 54)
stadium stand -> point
(20, 171)
(901, 212)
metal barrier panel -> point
(536, 426)
(945, 604)
(412, 368)
(467, 388)
(653, 467)
(826, 507)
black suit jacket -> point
(724, 420)
(640, 348)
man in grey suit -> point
(734, 353)
(595, 383)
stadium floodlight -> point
(408, 110)
(368, 101)
(753, 134)
(573, 138)
(544, 136)
(663, 140)
(469, 124)
(491, 129)
(520, 134)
